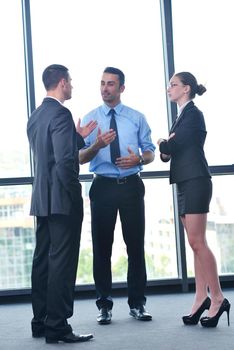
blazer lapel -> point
(175, 123)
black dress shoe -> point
(104, 316)
(38, 333)
(140, 314)
(68, 338)
(38, 328)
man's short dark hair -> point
(116, 71)
(53, 74)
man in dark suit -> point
(58, 206)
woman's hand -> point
(160, 140)
(171, 136)
(165, 157)
(163, 140)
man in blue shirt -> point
(117, 187)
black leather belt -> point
(117, 180)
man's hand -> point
(85, 130)
(128, 161)
(104, 139)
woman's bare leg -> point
(200, 281)
(205, 264)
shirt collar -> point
(106, 109)
(54, 98)
(180, 109)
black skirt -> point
(194, 195)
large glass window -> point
(220, 226)
(202, 45)
(202, 34)
(160, 246)
(14, 149)
(87, 36)
(16, 237)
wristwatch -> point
(141, 160)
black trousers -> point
(107, 198)
(54, 270)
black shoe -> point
(195, 317)
(104, 316)
(38, 333)
(140, 314)
(213, 321)
(38, 328)
(68, 338)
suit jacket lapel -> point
(173, 125)
(177, 121)
(180, 117)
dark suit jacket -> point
(186, 147)
(54, 141)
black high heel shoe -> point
(195, 317)
(213, 321)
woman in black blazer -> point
(190, 172)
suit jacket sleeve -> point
(185, 133)
(65, 143)
(80, 141)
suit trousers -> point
(54, 270)
(108, 197)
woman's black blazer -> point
(186, 147)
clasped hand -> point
(163, 140)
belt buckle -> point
(121, 181)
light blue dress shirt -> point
(133, 131)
